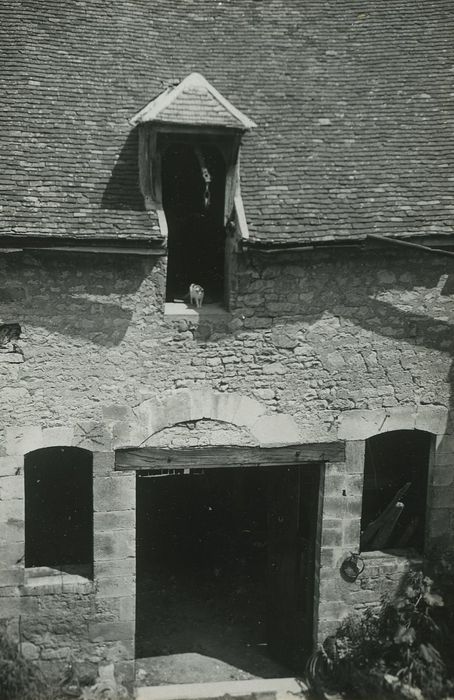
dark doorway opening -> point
(59, 509)
(225, 566)
(195, 218)
(393, 460)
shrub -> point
(20, 679)
(394, 651)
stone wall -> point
(310, 335)
(318, 347)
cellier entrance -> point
(226, 557)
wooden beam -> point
(212, 457)
(409, 244)
(101, 249)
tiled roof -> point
(353, 104)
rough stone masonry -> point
(319, 346)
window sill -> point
(43, 580)
(405, 554)
(180, 311)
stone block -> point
(20, 441)
(10, 554)
(443, 476)
(128, 608)
(399, 418)
(45, 585)
(114, 493)
(92, 436)
(11, 510)
(248, 413)
(444, 443)
(12, 358)
(335, 506)
(284, 337)
(444, 459)
(331, 538)
(439, 522)
(327, 557)
(10, 592)
(114, 545)
(11, 465)
(432, 419)
(148, 418)
(360, 424)
(111, 631)
(13, 576)
(117, 413)
(175, 407)
(354, 485)
(274, 368)
(275, 430)
(116, 587)
(103, 463)
(351, 533)
(77, 584)
(335, 483)
(9, 607)
(11, 487)
(354, 456)
(14, 530)
(128, 435)
(333, 609)
(201, 404)
(114, 520)
(58, 437)
(30, 651)
(228, 406)
(119, 567)
(442, 496)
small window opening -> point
(395, 490)
(193, 193)
(59, 510)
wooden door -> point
(292, 522)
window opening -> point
(59, 509)
(193, 193)
(395, 490)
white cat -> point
(196, 294)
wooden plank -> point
(212, 457)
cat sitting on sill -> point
(196, 294)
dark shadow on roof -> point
(123, 190)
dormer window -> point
(189, 139)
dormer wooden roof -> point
(193, 102)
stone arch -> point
(183, 405)
(359, 424)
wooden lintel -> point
(215, 457)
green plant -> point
(394, 651)
(19, 678)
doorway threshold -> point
(256, 688)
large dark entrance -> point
(225, 565)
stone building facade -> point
(330, 338)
